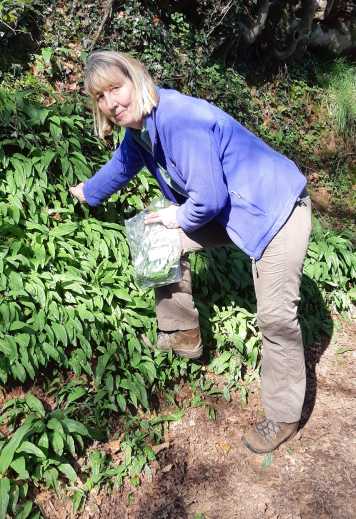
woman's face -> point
(117, 101)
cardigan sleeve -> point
(116, 173)
(198, 160)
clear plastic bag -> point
(155, 250)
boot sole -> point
(266, 451)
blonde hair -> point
(99, 75)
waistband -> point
(300, 200)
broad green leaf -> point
(4, 496)
(25, 510)
(101, 366)
(122, 294)
(30, 448)
(121, 402)
(55, 425)
(85, 315)
(36, 226)
(51, 477)
(43, 441)
(77, 499)
(60, 333)
(63, 229)
(18, 371)
(5, 313)
(19, 466)
(35, 404)
(24, 490)
(26, 363)
(17, 325)
(22, 339)
(70, 444)
(8, 347)
(68, 471)
(77, 393)
(56, 131)
(57, 443)
(51, 351)
(53, 313)
(39, 320)
(47, 54)
(73, 426)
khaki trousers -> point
(277, 276)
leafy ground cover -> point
(85, 406)
(202, 470)
(72, 316)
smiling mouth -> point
(118, 116)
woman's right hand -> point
(77, 192)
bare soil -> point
(204, 471)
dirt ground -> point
(205, 472)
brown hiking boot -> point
(267, 435)
(186, 343)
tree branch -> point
(250, 34)
(337, 39)
(107, 14)
(8, 26)
(225, 10)
(301, 33)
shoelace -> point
(268, 428)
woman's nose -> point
(110, 99)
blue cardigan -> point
(229, 174)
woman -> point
(225, 184)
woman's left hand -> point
(166, 216)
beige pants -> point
(276, 277)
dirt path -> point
(206, 472)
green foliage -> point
(136, 454)
(69, 306)
(238, 343)
(175, 52)
(40, 450)
(12, 10)
(53, 279)
(342, 98)
(68, 302)
(14, 501)
(42, 442)
(331, 262)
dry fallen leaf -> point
(114, 446)
(225, 447)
